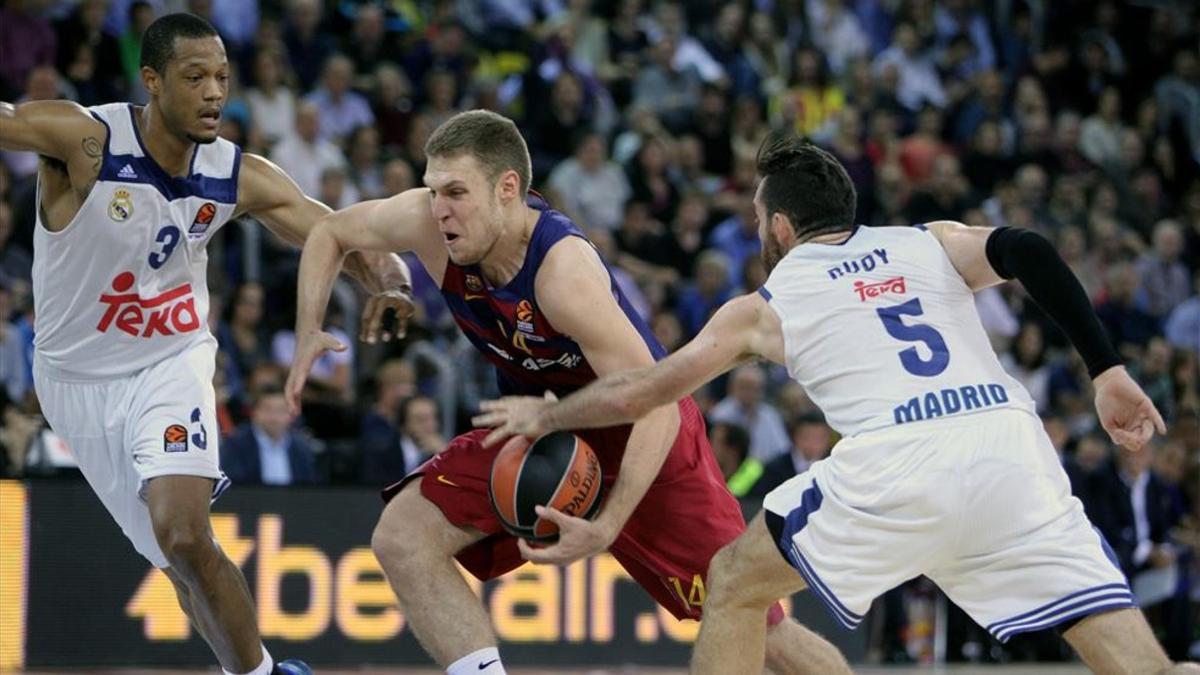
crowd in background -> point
(1076, 118)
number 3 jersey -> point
(123, 285)
(881, 330)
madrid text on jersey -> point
(945, 402)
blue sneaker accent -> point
(293, 667)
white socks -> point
(263, 668)
(483, 662)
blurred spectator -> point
(243, 336)
(650, 181)
(946, 194)
(918, 82)
(1128, 326)
(370, 42)
(27, 39)
(669, 90)
(272, 103)
(42, 85)
(737, 236)
(442, 48)
(767, 53)
(1183, 324)
(918, 151)
(366, 174)
(401, 431)
(141, 15)
(812, 101)
(16, 264)
(836, 32)
(812, 440)
(397, 177)
(1026, 362)
(1136, 509)
(304, 155)
(392, 105)
(336, 190)
(731, 444)
(558, 126)
(267, 451)
(711, 289)
(745, 406)
(342, 110)
(590, 186)
(1100, 134)
(88, 55)
(13, 377)
(1163, 282)
(308, 47)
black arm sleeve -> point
(1029, 258)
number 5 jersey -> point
(881, 330)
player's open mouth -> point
(211, 117)
(449, 237)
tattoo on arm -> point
(92, 147)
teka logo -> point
(171, 312)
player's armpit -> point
(967, 249)
(58, 129)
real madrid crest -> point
(121, 206)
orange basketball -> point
(559, 470)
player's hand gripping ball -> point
(558, 470)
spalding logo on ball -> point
(558, 470)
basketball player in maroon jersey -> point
(533, 295)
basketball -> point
(558, 470)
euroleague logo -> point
(171, 312)
(175, 438)
(204, 218)
(525, 316)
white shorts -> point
(979, 504)
(159, 421)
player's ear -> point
(508, 186)
(781, 228)
(152, 80)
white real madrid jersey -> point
(881, 330)
(123, 286)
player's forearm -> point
(378, 271)
(319, 265)
(1031, 259)
(607, 401)
(648, 446)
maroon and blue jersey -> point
(506, 324)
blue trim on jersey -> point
(147, 172)
(762, 290)
(1108, 552)
(1102, 598)
(921, 226)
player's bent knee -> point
(725, 573)
(399, 536)
(188, 548)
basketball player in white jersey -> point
(944, 468)
(128, 200)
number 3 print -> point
(168, 237)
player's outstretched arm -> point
(744, 328)
(985, 256)
(400, 223)
(63, 130)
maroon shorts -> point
(686, 516)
